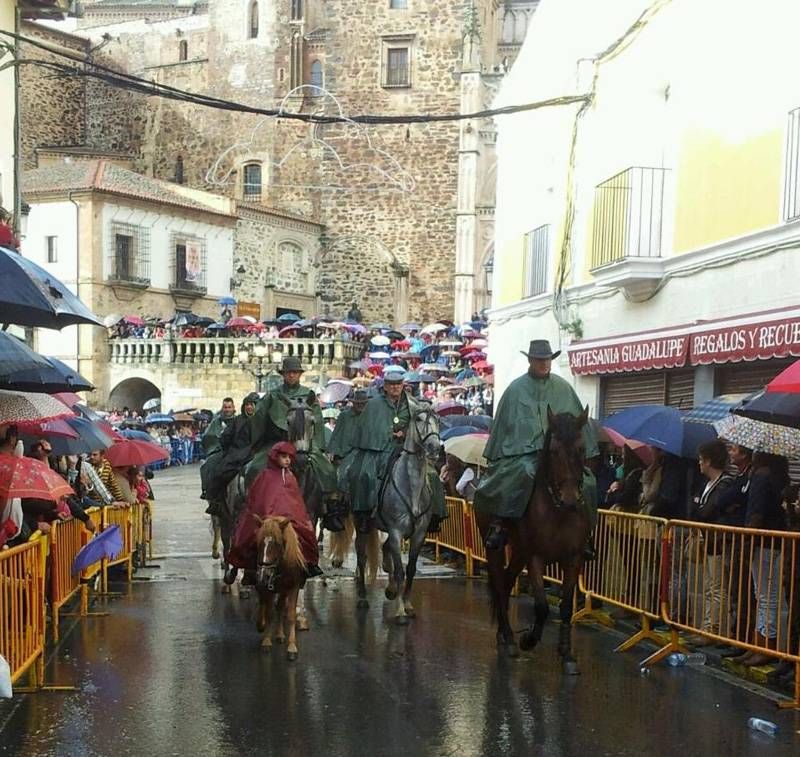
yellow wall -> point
(725, 190)
(509, 287)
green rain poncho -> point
(270, 425)
(342, 444)
(517, 437)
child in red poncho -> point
(275, 492)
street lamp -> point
(261, 365)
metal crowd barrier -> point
(66, 540)
(452, 534)
(120, 516)
(22, 615)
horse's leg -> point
(499, 592)
(569, 664)
(226, 532)
(532, 636)
(388, 568)
(280, 617)
(361, 569)
(216, 537)
(417, 540)
(264, 619)
(396, 577)
(291, 618)
(302, 620)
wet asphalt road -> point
(175, 669)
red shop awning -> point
(755, 336)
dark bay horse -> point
(554, 529)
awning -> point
(755, 336)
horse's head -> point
(278, 548)
(423, 433)
(301, 423)
(565, 452)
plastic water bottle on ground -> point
(764, 726)
(678, 659)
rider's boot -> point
(435, 525)
(230, 575)
(249, 578)
(313, 571)
(496, 536)
(588, 550)
(331, 518)
(362, 522)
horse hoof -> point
(266, 647)
(401, 620)
(215, 554)
(390, 593)
(411, 612)
(336, 564)
(508, 648)
(291, 656)
(362, 604)
(302, 624)
(570, 668)
(280, 639)
(244, 593)
(226, 589)
(261, 626)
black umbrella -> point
(185, 319)
(483, 422)
(779, 408)
(203, 320)
(31, 296)
(55, 376)
(15, 356)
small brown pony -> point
(554, 528)
(280, 575)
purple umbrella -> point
(105, 545)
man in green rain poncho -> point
(378, 442)
(342, 444)
(213, 447)
(270, 425)
(517, 438)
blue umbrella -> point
(32, 296)
(715, 409)
(55, 376)
(288, 318)
(661, 427)
(135, 433)
(159, 418)
(107, 544)
(778, 408)
(15, 356)
(90, 434)
(227, 300)
(465, 374)
(449, 433)
(482, 422)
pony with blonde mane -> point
(280, 575)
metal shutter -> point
(746, 378)
(619, 392)
(680, 389)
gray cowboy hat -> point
(540, 349)
(291, 363)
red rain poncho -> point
(274, 493)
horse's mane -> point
(285, 535)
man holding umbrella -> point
(213, 448)
(516, 440)
(271, 425)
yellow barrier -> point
(120, 516)
(96, 516)
(65, 542)
(627, 571)
(22, 620)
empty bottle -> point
(678, 659)
(764, 726)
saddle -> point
(387, 474)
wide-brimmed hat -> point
(291, 363)
(360, 395)
(540, 349)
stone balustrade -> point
(328, 354)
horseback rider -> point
(236, 444)
(212, 446)
(342, 444)
(378, 442)
(517, 438)
(271, 425)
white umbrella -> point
(433, 328)
(152, 403)
(479, 343)
(112, 320)
(380, 340)
(450, 343)
(379, 355)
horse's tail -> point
(373, 555)
(342, 540)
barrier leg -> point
(588, 614)
(646, 633)
(673, 646)
(793, 703)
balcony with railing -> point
(628, 229)
(329, 355)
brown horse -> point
(553, 529)
(280, 575)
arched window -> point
(316, 75)
(179, 170)
(183, 50)
(251, 182)
(253, 25)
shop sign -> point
(646, 354)
(753, 341)
(249, 308)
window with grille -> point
(396, 68)
(52, 249)
(537, 252)
(251, 182)
(316, 79)
(128, 254)
(189, 264)
(253, 30)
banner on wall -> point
(193, 261)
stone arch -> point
(132, 393)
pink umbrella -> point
(640, 449)
(241, 322)
(450, 408)
(134, 320)
(286, 330)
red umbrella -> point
(240, 323)
(26, 477)
(135, 452)
(134, 320)
(57, 427)
(482, 365)
(787, 380)
(477, 355)
(70, 399)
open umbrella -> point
(408, 327)
(135, 452)
(483, 422)
(134, 320)
(448, 407)
(94, 435)
(29, 478)
(68, 398)
(32, 296)
(482, 365)
(15, 356)
(433, 368)
(184, 319)
(468, 448)
(290, 329)
(380, 327)
(112, 320)
(330, 412)
(380, 340)
(156, 418)
(183, 417)
(30, 406)
(757, 435)
(152, 404)
(288, 318)
(334, 392)
(426, 378)
(714, 409)
(780, 408)
(662, 427)
(379, 355)
(787, 380)
(227, 300)
(203, 321)
(471, 381)
(433, 328)
(216, 327)
(55, 376)
(105, 545)
(135, 433)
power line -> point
(120, 80)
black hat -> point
(291, 363)
(540, 349)
(360, 395)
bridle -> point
(553, 487)
(267, 571)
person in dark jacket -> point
(664, 486)
(236, 442)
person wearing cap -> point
(342, 445)
(378, 442)
(516, 439)
(271, 425)
(211, 444)
(236, 441)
